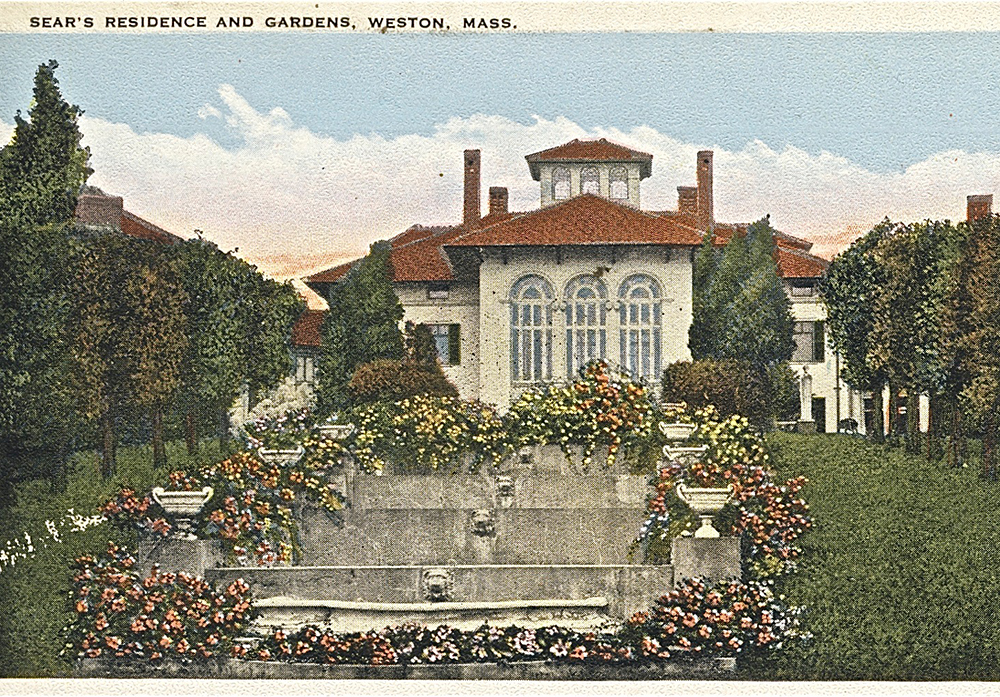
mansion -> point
(515, 299)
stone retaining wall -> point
(697, 669)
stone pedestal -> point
(192, 557)
(805, 427)
(716, 559)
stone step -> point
(389, 536)
(358, 616)
(518, 489)
(624, 588)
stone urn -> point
(336, 431)
(282, 458)
(686, 455)
(181, 506)
(677, 432)
(706, 502)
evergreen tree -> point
(362, 325)
(740, 309)
(704, 320)
(41, 173)
(44, 167)
(758, 325)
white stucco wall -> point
(500, 269)
(462, 308)
(825, 381)
(604, 172)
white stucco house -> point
(519, 298)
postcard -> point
(502, 341)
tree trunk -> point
(878, 433)
(223, 430)
(191, 432)
(159, 448)
(107, 443)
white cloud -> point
(292, 199)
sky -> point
(299, 150)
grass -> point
(34, 592)
(900, 574)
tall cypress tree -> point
(41, 173)
(362, 325)
(741, 310)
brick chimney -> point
(98, 209)
(498, 200)
(687, 199)
(978, 206)
(706, 214)
(470, 211)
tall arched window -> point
(560, 183)
(590, 181)
(586, 319)
(639, 315)
(619, 183)
(531, 329)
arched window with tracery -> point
(531, 329)
(640, 300)
(619, 183)
(586, 322)
(560, 183)
(590, 181)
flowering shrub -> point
(416, 644)
(694, 620)
(773, 515)
(251, 510)
(428, 433)
(119, 613)
(285, 430)
(597, 409)
(726, 619)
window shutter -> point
(454, 345)
(819, 341)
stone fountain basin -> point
(358, 616)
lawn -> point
(901, 573)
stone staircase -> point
(536, 545)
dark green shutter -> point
(454, 345)
(819, 341)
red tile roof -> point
(416, 255)
(94, 207)
(331, 275)
(305, 331)
(582, 220)
(590, 151)
(133, 225)
(795, 263)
